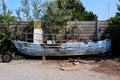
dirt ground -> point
(59, 70)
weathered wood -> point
(73, 67)
(43, 57)
(86, 27)
(64, 49)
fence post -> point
(97, 31)
(26, 36)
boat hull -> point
(63, 49)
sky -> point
(104, 9)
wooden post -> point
(43, 55)
(98, 35)
(26, 36)
(97, 31)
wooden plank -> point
(74, 67)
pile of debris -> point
(73, 64)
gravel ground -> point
(49, 70)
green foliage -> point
(53, 14)
(114, 23)
(29, 11)
(65, 10)
(18, 12)
(78, 11)
(114, 31)
(26, 9)
(36, 4)
(61, 11)
(114, 20)
(17, 57)
(5, 30)
(5, 18)
(5, 14)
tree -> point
(114, 31)
(31, 10)
(61, 11)
(4, 8)
(36, 4)
(5, 18)
(5, 15)
(56, 18)
(72, 8)
(18, 12)
(115, 19)
(26, 9)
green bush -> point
(17, 57)
(114, 31)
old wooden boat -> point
(62, 49)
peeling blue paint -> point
(64, 48)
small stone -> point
(76, 63)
